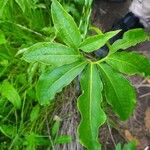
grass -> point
(23, 23)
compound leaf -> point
(93, 43)
(52, 82)
(118, 91)
(130, 63)
(89, 105)
(7, 90)
(130, 38)
(65, 25)
(51, 53)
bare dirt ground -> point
(138, 126)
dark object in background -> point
(117, 1)
(129, 21)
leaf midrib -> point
(91, 77)
(62, 55)
(64, 23)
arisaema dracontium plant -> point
(102, 79)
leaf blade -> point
(65, 25)
(2, 6)
(89, 106)
(63, 139)
(8, 130)
(7, 90)
(95, 42)
(35, 113)
(130, 63)
(51, 53)
(116, 88)
(52, 82)
(21, 4)
(2, 38)
(130, 38)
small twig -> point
(13, 142)
(49, 135)
(142, 85)
(113, 140)
(25, 28)
(144, 95)
(22, 110)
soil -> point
(105, 13)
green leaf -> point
(8, 130)
(130, 38)
(89, 105)
(96, 29)
(21, 4)
(118, 147)
(130, 63)
(63, 139)
(65, 25)
(88, 3)
(33, 140)
(2, 6)
(52, 82)
(130, 146)
(56, 126)
(51, 53)
(7, 90)
(35, 113)
(93, 43)
(118, 91)
(2, 38)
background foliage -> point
(22, 120)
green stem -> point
(13, 142)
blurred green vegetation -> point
(23, 122)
